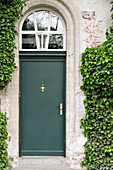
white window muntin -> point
(48, 32)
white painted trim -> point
(42, 50)
(36, 32)
(41, 32)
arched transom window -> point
(42, 30)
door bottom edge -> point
(42, 157)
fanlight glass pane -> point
(28, 41)
(56, 24)
(42, 19)
(55, 41)
(28, 23)
(45, 41)
(39, 39)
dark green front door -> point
(42, 128)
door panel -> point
(42, 128)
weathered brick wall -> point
(86, 22)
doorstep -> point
(42, 163)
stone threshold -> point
(40, 168)
(42, 163)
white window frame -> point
(36, 32)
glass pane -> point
(42, 19)
(28, 23)
(28, 41)
(55, 41)
(45, 43)
(39, 37)
(56, 24)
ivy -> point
(10, 11)
(97, 72)
(4, 159)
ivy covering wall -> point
(97, 72)
(10, 11)
(4, 159)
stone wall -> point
(86, 22)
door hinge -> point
(64, 142)
(20, 142)
(20, 94)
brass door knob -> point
(42, 88)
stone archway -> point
(70, 13)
